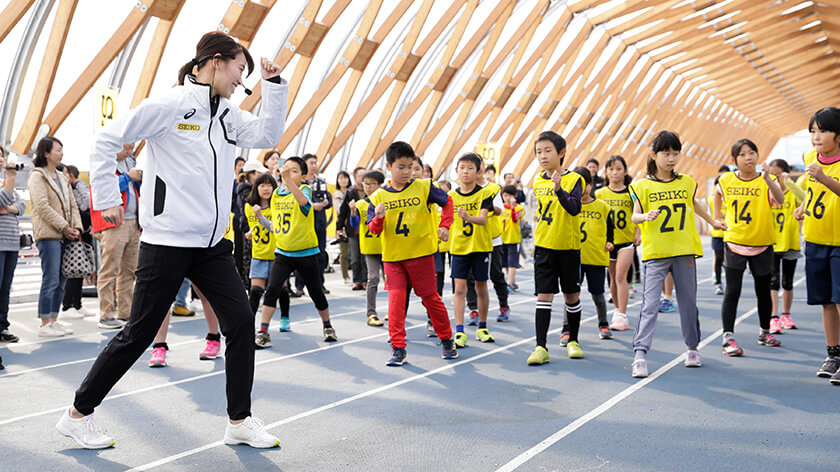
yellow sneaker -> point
(374, 320)
(460, 340)
(539, 356)
(182, 311)
(483, 335)
(574, 350)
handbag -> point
(77, 262)
(26, 240)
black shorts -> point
(760, 264)
(822, 274)
(551, 265)
(474, 266)
(510, 256)
(617, 248)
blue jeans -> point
(181, 298)
(52, 282)
(8, 263)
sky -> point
(96, 20)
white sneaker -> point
(49, 331)
(70, 314)
(83, 431)
(692, 359)
(619, 322)
(65, 328)
(196, 306)
(251, 432)
(84, 311)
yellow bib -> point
(672, 233)
(229, 235)
(465, 237)
(407, 230)
(621, 205)
(293, 231)
(443, 246)
(787, 228)
(593, 233)
(556, 228)
(511, 231)
(369, 243)
(494, 221)
(262, 240)
(749, 218)
(716, 233)
(822, 207)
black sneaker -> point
(430, 329)
(397, 357)
(8, 337)
(829, 367)
(1, 363)
(329, 335)
(449, 351)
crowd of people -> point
(261, 224)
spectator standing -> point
(11, 205)
(55, 219)
(72, 307)
(357, 259)
(120, 245)
(342, 185)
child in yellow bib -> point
(511, 235)
(557, 238)
(296, 243)
(787, 247)
(750, 235)
(616, 195)
(664, 209)
(263, 245)
(487, 179)
(370, 245)
(597, 231)
(821, 214)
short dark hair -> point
(557, 140)
(470, 157)
(301, 163)
(584, 172)
(781, 164)
(662, 141)
(509, 189)
(724, 168)
(73, 170)
(254, 195)
(595, 161)
(357, 169)
(736, 148)
(238, 158)
(308, 156)
(379, 177)
(509, 173)
(397, 150)
(45, 146)
(490, 167)
(826, 119)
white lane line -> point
(353, 398)
(220, 372)
(603, 407)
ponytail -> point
(214, 44)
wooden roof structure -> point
(605, 74)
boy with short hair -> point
(293, 226)
(557, 241)
(471, 246)
(511, 237)
(370, 244)
(400, 213)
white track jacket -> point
(188, 164)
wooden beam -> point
(153, 57)
(12, 14)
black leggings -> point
(718, 265)
(785, 277)
(734, 280)
(309, 269)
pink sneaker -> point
(775, 326)
(619, 322)
(158, 357)
(211, 350)
(787, 323)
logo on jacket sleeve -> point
(189, 114)
(189, 127)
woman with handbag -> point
(55, 219)
(11, 205)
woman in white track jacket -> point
(191, 134)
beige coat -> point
(53, 208)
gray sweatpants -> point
(684, 271)
(374, 268)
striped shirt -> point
(9, 228)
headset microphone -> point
(247, 90)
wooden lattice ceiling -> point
(604, 73)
